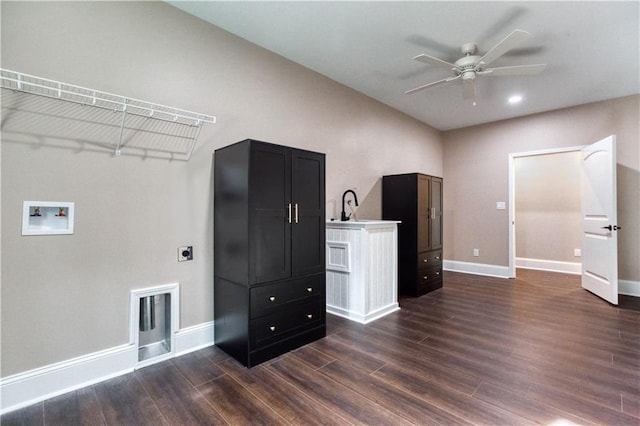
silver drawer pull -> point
(425, 277)
(309, 289)
(272, 299)
(426, 260)
(309, 316)
(438, 273)
(272, 328)
(437, 257)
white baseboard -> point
(549, 265)
(358, 317)
(193, 338)
(22, 389)
(629, 288)
(476, 268)
(30, 387)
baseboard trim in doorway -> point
(549, 265)
(629, 288)
(33, 386)
(476, 268)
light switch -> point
(501, 205)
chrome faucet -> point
(343, 216)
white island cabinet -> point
(362, 269)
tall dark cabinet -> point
(416, 200)
(269, 249)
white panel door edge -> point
(599, 220)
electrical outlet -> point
(577, 252)
(185, 253)
(501, 205)
(476, 252)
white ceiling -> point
(592, 50)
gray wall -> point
(66, 296)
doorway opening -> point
(542, 202)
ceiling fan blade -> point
(435, 83)
(514, 70)
(469, 88)
(432, 45)
(507, 19)
(433, 60)
(508, 43)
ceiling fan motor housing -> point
(469, 49)
(467, 67)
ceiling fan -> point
(472, 65)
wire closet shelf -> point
(134, 114)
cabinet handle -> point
(437, 257)
(272, 299)
(425, 277)
(296, 212)
(433, 212)
(309, 289)
(309, 316)
(289, 213)
(425, 260)
(272, 328)
(438, 273)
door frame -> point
(512, 196)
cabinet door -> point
(270, 230)
(424, 213)
(308, 229)
(436, 213)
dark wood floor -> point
(537, 349)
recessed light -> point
(515, 99)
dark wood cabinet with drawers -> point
(416, 200)
(269, 249)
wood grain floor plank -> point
(335, 396)
(631, 405)
(337, 350)
(531, 409)
(27, 416)
(124, 401)
(236, 404)
(199, 367)
(291, 403)
(412, 358)
(462, 405)
(312, 356)
(80, 407)
(408, 405)
(176, 398)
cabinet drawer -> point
(269, 298)
(429, 258)
(429, 274)
(428, 279)
(280, 325)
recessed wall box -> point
(47, 217)
(185, 253)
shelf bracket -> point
(124, 115)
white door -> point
(599, 226)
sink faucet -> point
(343, 215)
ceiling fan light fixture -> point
(515, 99)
